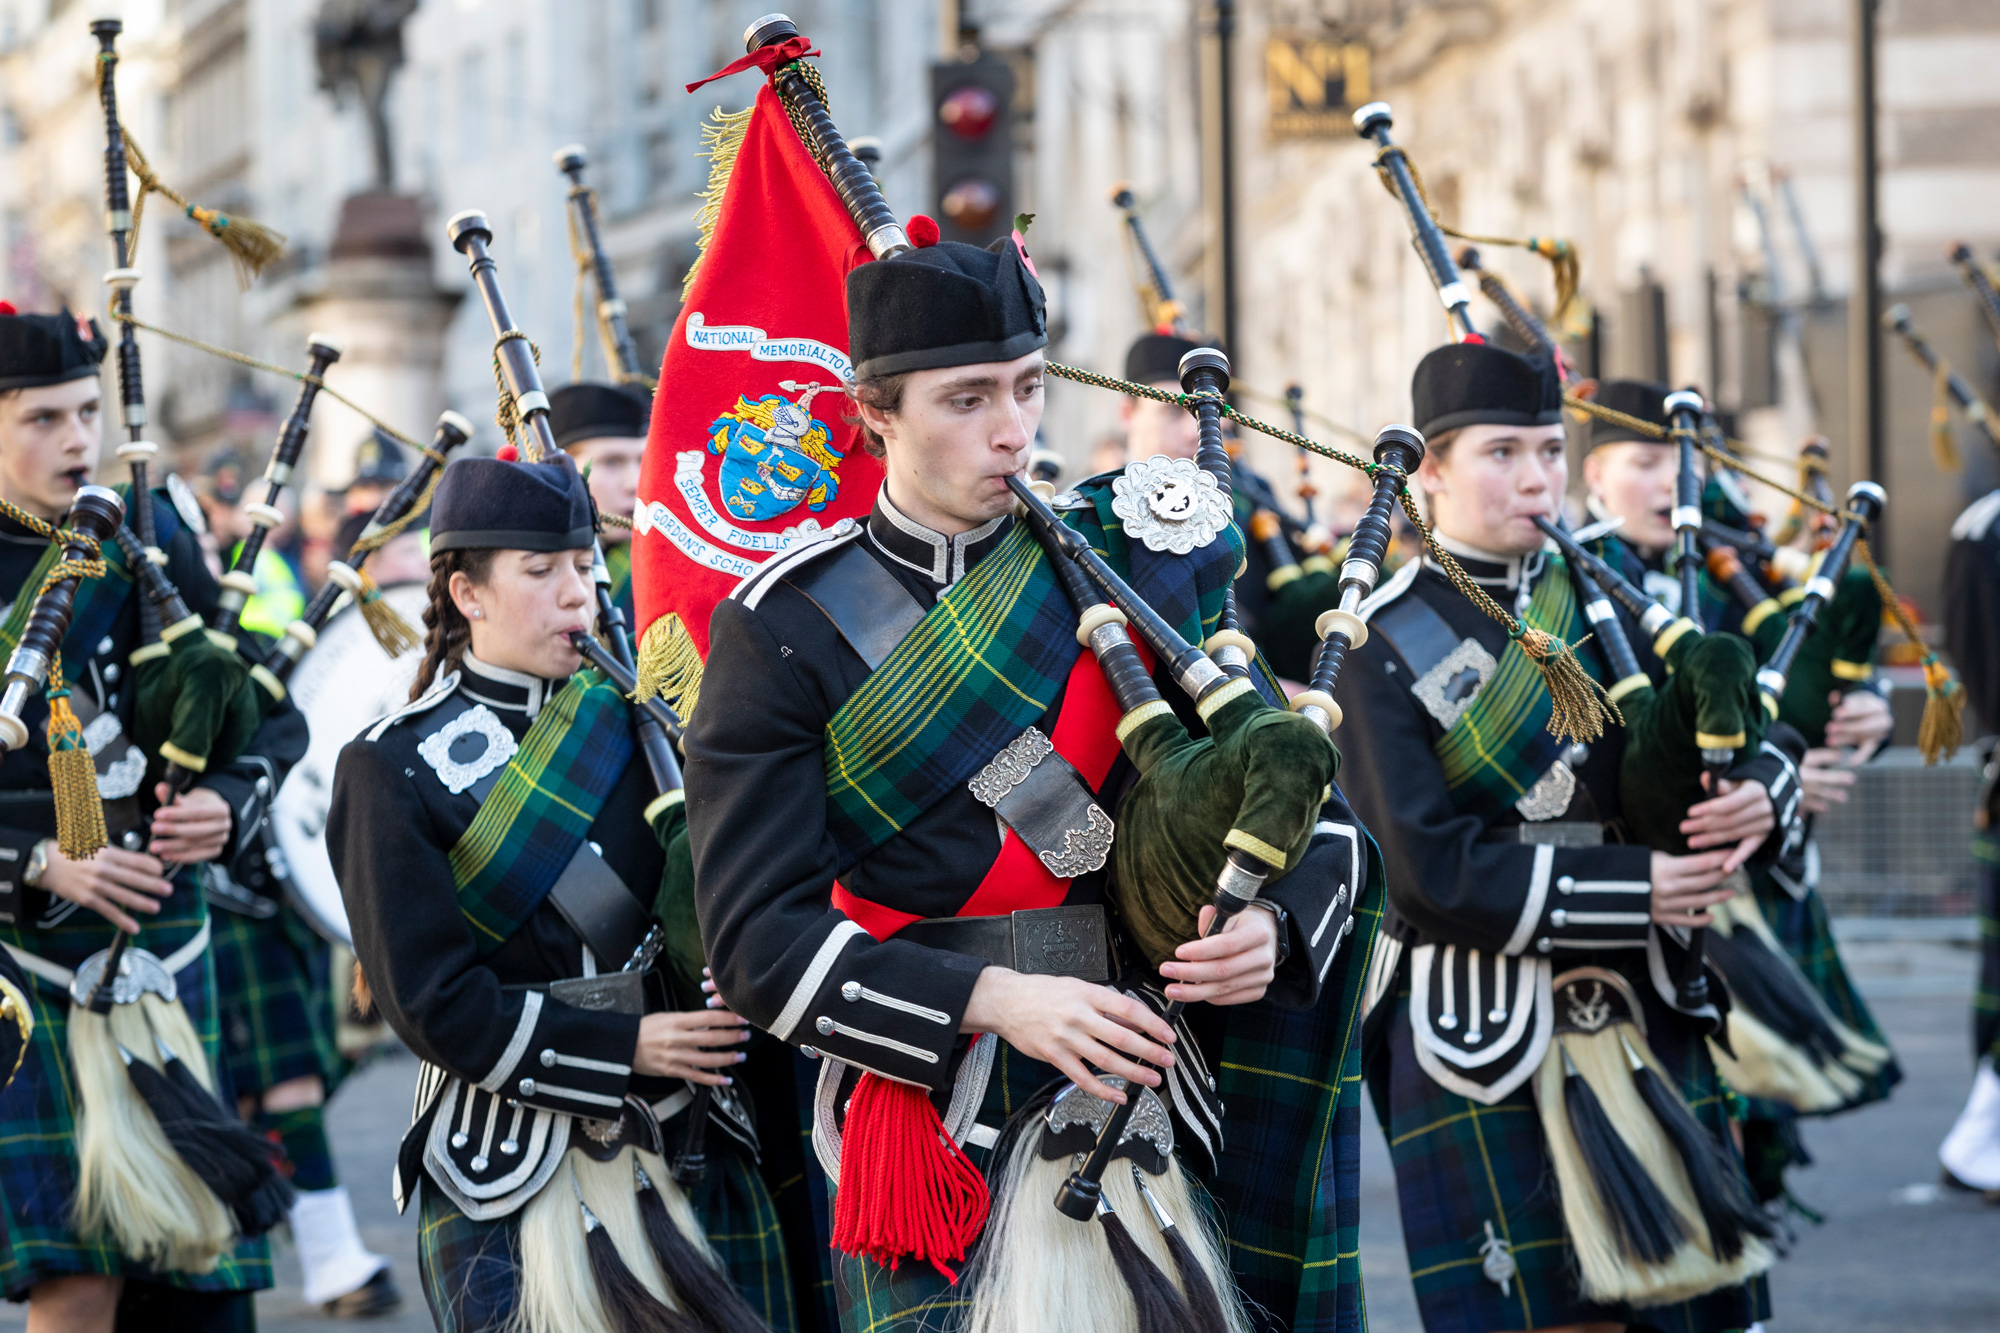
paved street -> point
(1893, 1253)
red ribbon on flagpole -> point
(766, 58)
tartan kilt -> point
(1803, 927)
(1291, 1083)
(471, 1272)
(274, 991)
(1986, 998)
(38, 1164)
(1461, 1165)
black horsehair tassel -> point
(1158, 1306)
(229, 1157)
(1718, 1187)
(710, 1297)
(628, 1306)
(1644, 1223)
(1764, 987)
(1203, 1303)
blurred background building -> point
(1699, 154)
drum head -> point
(344, 684)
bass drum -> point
(344, 684)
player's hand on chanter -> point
(1235, 965)
(1073, 1025)
(693, 1044)
(112, 884)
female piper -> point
(509, 943)
(1521, 926)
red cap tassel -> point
(905, 1187)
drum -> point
(344, 684)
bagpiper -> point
(905, 782)
(54, 910)
(1524, 1051)
(495, 846)
(603, 428)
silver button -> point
(1567, 884)
(527, 1087)
(110, 671)
(263, 786)
(548, 1058)
(850, 991)
(1341, 896)
(1347, 926)
(479, 1163)
(1559, 918)
(598, 848)
(1544, 944)
(1211, 1083)
(459, 1140)
(105, 645)
(825, 1026)
(809, 1052)
(509, 1147)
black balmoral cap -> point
(378, 460)
(40, 350)
(1635, 398)
(1478, 384)
(948, 304)
(587, 410)
(1156, 358)
(492, 502)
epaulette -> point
(1977, 520)
(1398, 584)
(802, 553)
(439, 691)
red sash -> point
(1086, 734)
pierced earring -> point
(478, 614)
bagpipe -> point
(1948, 386)
(612, 1240)
(621, 353)
(1980, 280)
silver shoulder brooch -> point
(1170, 504)
(468, 747)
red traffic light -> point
(972, 204)
(969, 112)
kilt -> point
(38, 1166)
(1801, 925)
(275, 995)
(1461, 1165)
(1986, 998)
(1291, 1083)
(471, 1275)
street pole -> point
(1864, 307)
(1218, 130)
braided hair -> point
(447, 633)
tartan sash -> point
(986, 662)
(531, 823)
(97, 601)
(618, 563)
(1500, 745)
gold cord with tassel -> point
(1564, 265)
(80, 830)
(669, 666)
(395, 634)
(1944, 446)
(1941, 730)
(254, 246)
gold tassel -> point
(669, 666)
(721, 140)
(1942, 729)
(395, 634)
(1563, 260)
(80, 830)
(1944, 448)
(255, 246)
(1581, 711)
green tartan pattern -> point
(38, 1166)
(1500, 745)
(1460, 1165)
(1292, 1083)
(618, 563)
(1803, 927)
(96, 602)
(1986, 997)
(536, 816)
(273, 981)
(471, 1273)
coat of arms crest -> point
(775, 454)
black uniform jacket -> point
(27, 806)
(765, 865)
(1972, 607)
(1449, 882)
(390, 829)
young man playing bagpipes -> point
(1561, 1151)
(1836, 717)
(603, 428)
(874, 890)
(56, 912)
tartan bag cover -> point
(1500, 745)
(531, 823)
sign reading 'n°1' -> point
(1313, 83)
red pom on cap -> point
(922, 231)
(507, 453)
(7, 308)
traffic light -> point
(972, 148)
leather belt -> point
(598, 907)
(1549, 833)
(1044, 941)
